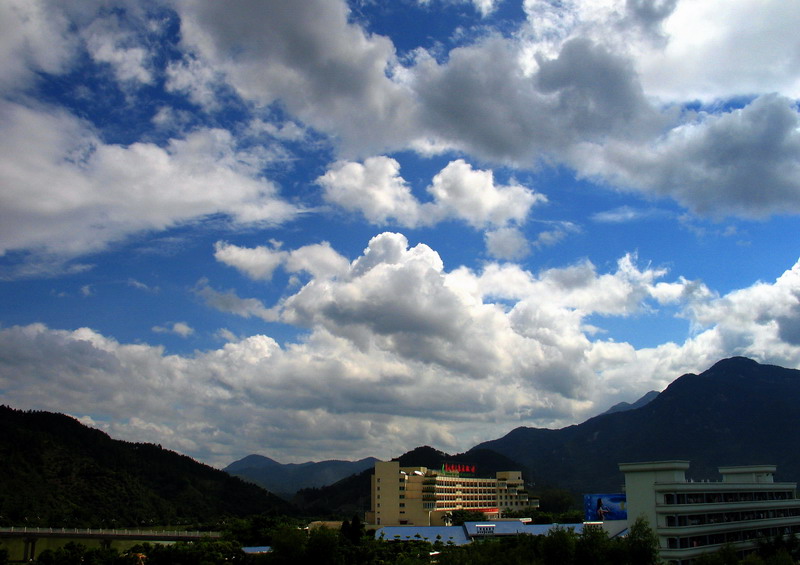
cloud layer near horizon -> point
(399, 352)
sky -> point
(329, 229)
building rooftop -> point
(460, 535)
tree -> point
(353, 531)
(458, 517)
(592, 546)
(558, 547)
(288, 545)
(557, 501)
(323, 547)
(642, 543)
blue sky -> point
(330, 229)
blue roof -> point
(257, 549)
(513, 527)
(453, 534)
(460, 535)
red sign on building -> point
(458, 468)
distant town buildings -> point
(421, 496)
(689, 517)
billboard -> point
(602, 507)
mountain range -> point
(738, 412)
(58, 472)
(286, 479)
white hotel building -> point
(419, 496)
(692, 518)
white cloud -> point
(683, 50)
(328, 72)
(199, 81)
(583, 83)
(483, 7)
(108, 43)
(229, 301)
(557, 232)
(257, 263)
(181, 329)
(34, 36)
(507, 243)
(723, 48)
(472, 195)
(319, 260)
(744, 162)
(375, 189)
(142, 286)
(458, 191)
(578, 85)
(66, 192)
(624, 214)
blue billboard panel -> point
(602, 507)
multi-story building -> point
(425, 497)
(692, 518)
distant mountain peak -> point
(253, 460)
(735, 413)
(734, 363)
(286, 479)
(625, 406)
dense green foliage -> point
(293, 544)
(777, 551)
(59, 473)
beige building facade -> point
(421, 496)
(692, 518)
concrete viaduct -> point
(30, 536)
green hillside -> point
(57, 472)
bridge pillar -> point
(29, 549)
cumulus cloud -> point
(319, 260)
(718, 49)
(745, 162)
(472, 195)
(66, 192)
(376, 190)
(327, 71)
(710, 50)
